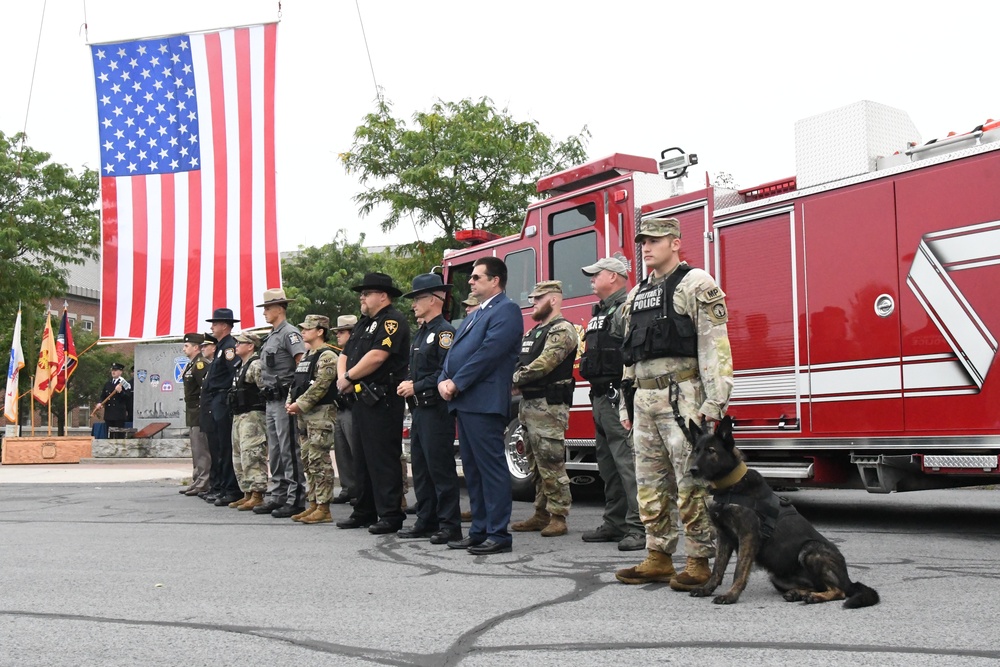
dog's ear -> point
(725, 431)
(692, 432)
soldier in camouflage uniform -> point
(676, 338)
(249, 430)
(312, 399)
(544, 377)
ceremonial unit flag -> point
(65, 352)
(188, 218)
(48, 365)
(16, 364)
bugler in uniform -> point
(677, 339)
(544, 376)
(249, 431)
(312, 399)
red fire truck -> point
(861, 293)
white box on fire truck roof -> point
(847, 141)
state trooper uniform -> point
(601, 365)
(246, 401)
(677, 346)
(314, 391)
(432, 431)
(216, 419)
(193, 377)
(378, 412)
(545, 378)
(286, 488)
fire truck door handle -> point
(621, 238)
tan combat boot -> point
(237, 503)
(557, 526)
(256, 498)
(306, 512)
(658, 566)
(537, 522)
(695, 573)
(320, 515)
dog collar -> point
(735, 475)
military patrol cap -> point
(471, 302)
(117, 367)
(655, 227)
(247, 337)
(546, 287)
(194, 338)
(316, 322)
(346, 322)
(275, 296)
(210, 340)
(606, 264)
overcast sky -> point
(726, 80)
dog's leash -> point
(674, 392)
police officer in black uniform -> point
(216, 419)
(432, 432)
(373, 364)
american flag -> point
(187, 179)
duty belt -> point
(664, 381)
(424, 399)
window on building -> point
(567, 256)
(88, 325)
(521, 276)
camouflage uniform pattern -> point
(250, 442)
(315, 429)
(667, 491)
(545, 425)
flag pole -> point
(32, 408)
(50, 418)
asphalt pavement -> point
(106, 564)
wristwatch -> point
(347, 376)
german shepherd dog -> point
(760, 526)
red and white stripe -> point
(177, 246)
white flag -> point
(16, 364)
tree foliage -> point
(463, 165)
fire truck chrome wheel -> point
(522, 481)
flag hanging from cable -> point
(188, 217)
(48, 365)
(13, 369)
(65, 351)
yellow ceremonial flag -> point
(48, 365)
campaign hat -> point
(346, 322)
(427, 282)
(222, 315)
(274, 296)
(379, 282)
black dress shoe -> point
(416, 533)
(286, 511)
(223, 501)
(489, 547)
(204, 494)
(466, 543)
(446, 535)
(211, 497)
(383, 527)
(266, 508)
(341, 499)
(352, 522)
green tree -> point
(464, 165)
(48, 220)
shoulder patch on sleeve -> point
(391, 326)
(445, 338)
(200, 365)
(230, 353)
(294, 338)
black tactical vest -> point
(656, 329)
(531, 348)
(305, 372)
(245, 397)
(602, 357)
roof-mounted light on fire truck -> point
(475, 236)
(676, 166)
